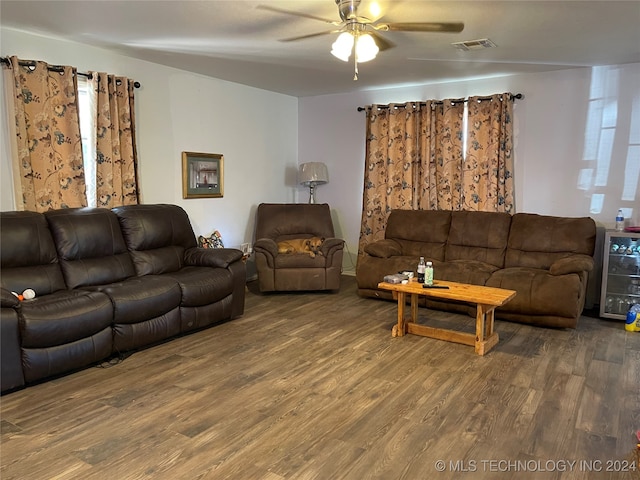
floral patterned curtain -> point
(488, 172)
(50, 171)
(116, 156)
(439, 182)
(414, 159)
(392, 148)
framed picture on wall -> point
(202, 175)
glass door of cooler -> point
(620, 274)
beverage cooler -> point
(620, 274)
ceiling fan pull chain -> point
(355, 62)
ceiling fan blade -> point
(310, 35)
(297, 14)
(382, 43)
(422, 27)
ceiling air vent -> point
(474, 44)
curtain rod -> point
(53, 68)
(519, 96)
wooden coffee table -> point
(486, 300)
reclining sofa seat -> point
(94, 256)
(61, 329)
(161, 242)
(547, 261)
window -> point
(88, 136)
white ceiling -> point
(233, 40)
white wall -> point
(550, 140)
(177, 111)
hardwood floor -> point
(313, 386)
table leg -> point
(398, 330)
(414, 308)
(480, 323)
(488, 327)
(486, 338)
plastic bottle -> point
(620, 221)
(428, 274)
(421, 268)
(633, 319)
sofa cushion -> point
(90, 246)
(202, 285)
(129, 336)
(139, 299)
(38, 363)
(420, 232)
(540, 292)
(286, 221)
(463, 271)
(63, 317)
(192, 318)
(157, 236)
(146, 310)
(480, 236)
(299, 260)
(538, 241)
(28, 255)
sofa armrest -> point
(383, 248)
(330, 245)
(8, 299)
(211, 257)
(267, 246)
(572, 264)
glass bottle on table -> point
(428, 274)
(421, 268)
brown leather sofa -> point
(277, 222)
(545, 259)
(106, 282)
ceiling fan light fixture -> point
(361, 35)
(342, 47)
(366, 48)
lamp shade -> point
(313, 173)
(341, 48)
(366, 48)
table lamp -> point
(312, 174)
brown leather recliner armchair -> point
(276, 222)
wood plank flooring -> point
(313, 386)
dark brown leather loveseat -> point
(545, 259)
(106, 282)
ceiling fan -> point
(360, 33)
